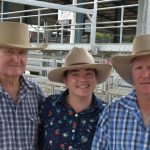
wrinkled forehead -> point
(140, 58)
(12, 49)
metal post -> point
(38, 32)
(143, 20)
(45, 34)
(93, 27)
(62, 33)
(79, 19)
(73, 23)
(121, 24)
(2, 7)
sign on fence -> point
(65, 15)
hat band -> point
(76, 64)
(141, 52)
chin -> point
(85, 94)
(15, 74)
(145, 92)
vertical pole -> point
(73, 23)
(121, 24)
(2, 9)
(45, 33)
(38, 32)
(93, 26)
(62, 33)
(143, 20)
(79, 19)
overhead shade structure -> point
(143, 19)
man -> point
(69, 119)
(19, 97)
(125, 124)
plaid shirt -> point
(64, 128)
(19, 122)
(121, 127)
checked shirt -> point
(19, 122)
(121, 127)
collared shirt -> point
(19, 122)
(121, 127)
(64, 128)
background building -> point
(104, 27)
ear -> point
(65, 81)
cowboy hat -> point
(121, 63)
(16, 35)
(79, 58)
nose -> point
(16, 58)
(82, 77)
(146, 73)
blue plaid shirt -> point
(19, 122)
(121, 127)
(64, 128)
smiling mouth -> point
(83, 86)
(145, 83)
(15, 66)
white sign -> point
(65, 15)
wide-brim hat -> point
(79, 58)
(16, 35)
(121, 63)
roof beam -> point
(52, 6)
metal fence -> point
(46, 33)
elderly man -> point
(69, 119)
(19, 97)
(125, 124)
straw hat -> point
(79, 58)
(141, 47)
(16, 35)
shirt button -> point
(73, 130)
(70, 147)
(76, 115)
(50, 142)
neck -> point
(144, 102)
(144, 105)
(79, 104)
(11, 85)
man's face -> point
(12, 61)
(140, 71)
(81, 82)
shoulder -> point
(119, 105)
(49, 105)
(57, 97)
(99, 103)
(123, 100)
(52, 100)
(29, 82)
(32, 88)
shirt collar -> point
(130, 101)
(96, 103)
(24, 83)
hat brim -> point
(122, 65)
(103, 72)
(21, 46)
